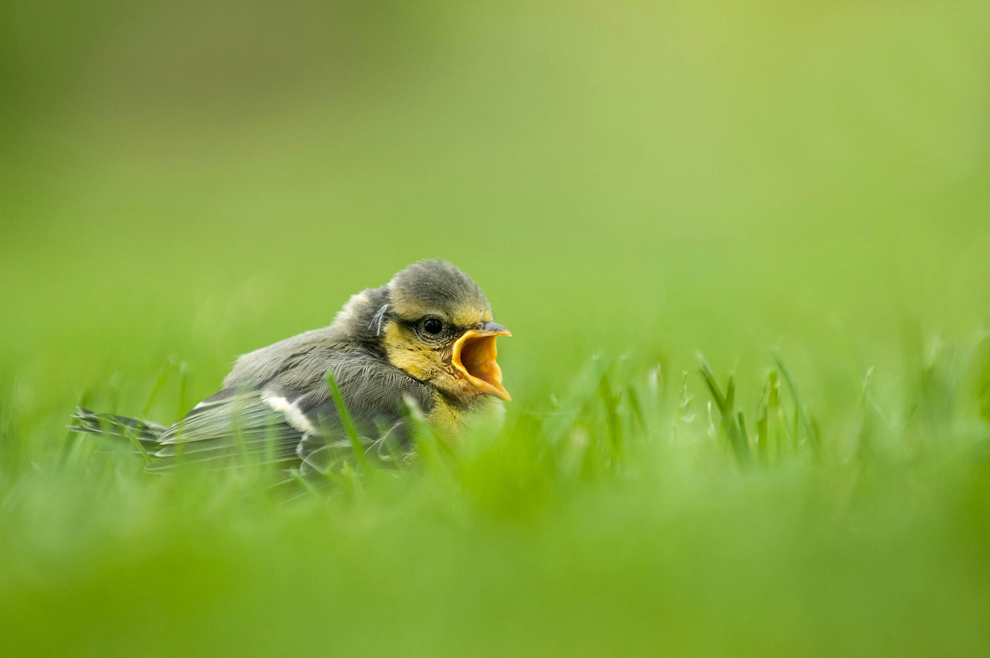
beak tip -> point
(495, 329)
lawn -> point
(743, 249)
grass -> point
(627, 516)
(800, 195)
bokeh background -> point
(208, 177)
(198, 179)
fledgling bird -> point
(427, 335)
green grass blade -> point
(716, 390)
(163, 375)
(801, 407)
(348, 423)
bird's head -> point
(433, 322)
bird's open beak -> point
(474, 357)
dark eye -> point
(433, 326)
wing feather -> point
(281, 421)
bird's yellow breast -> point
(448, 418)
(445, 418)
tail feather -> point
(116, 426)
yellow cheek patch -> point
(407, 354)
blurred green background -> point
(200, 179)
(713, 175)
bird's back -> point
(304, 352)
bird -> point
(425, 341)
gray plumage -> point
(275, 405)
(435, 283)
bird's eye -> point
(433, 326)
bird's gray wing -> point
(373, 393)
(283, 423)
(234, 426)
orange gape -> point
(474, 356)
